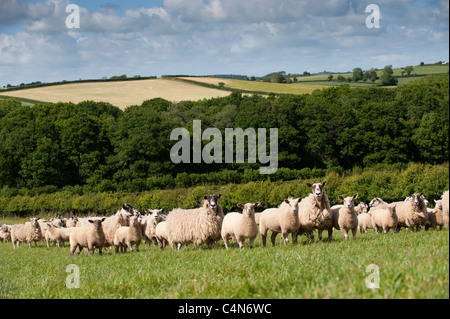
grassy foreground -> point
(411, 265)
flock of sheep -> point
(207, 224)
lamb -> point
(72, 222)
(348, 218)
(438, 216)
(148, 225)
(127, 236)
(334, 211)
(161, 234)
(364, 222)
(283, 219)
(5, 233)
(88, 237)
(445, 203)
(28, 232)
(240, 226)
(198, 226)
(385, 218)
(412, 213)
(58, 235)
(314, 212)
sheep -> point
(28, 232)
(240, 226)
(257, 217)
(127, 236)
(58, 235)
(88, 237)
(5, 233)
(72, 222)
(283, 219)
(377, 202)
(334, 211)
(148, 225)
(445, 208)
(348, 218)
(437, 215)
(161, 234)
(198, 226)
(432, 219)
(412, 213)
(385, 218)
(314, 212)
(364, 222)
(361, 208)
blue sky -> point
(200, 37)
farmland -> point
(411, 265)
(120, 94)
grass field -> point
(121, 94)
(410, 265)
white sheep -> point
(314, 212)
(5, 233)
(148, 225)
(364, 222)
(385, 218)
(361, 208)
(57, 235)
(376, 202)
(240, 226)
(199, 226)
(283, 219)
(348, 218)
(161, 234)
(334, 211)
(412, 213)
(91, 237)
(72, 222)
(445, 203)
(438, 214)
(127, 236)
(28, 232)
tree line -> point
(97, 146)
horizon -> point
(215, 37)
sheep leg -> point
(225, 240)
(285, 237)
(138, 245)
(241, 242)
(272, 238)
(264, 237)
(116, 249)
(330, 233)
(251, 241)
(344, 231)
(311, 236)
(320, 234)
(354, 230)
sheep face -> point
(34, 221)
(248, 209)
(294, 204)
(211, 201)
(134, 220)
(317, 189)
(155, 213)
(97, 223)
(130, 209)
(348, 201)
(375, 202)
(416, 198)
(438, 204)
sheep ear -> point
(240, 206)
(286, 201)
(355, 196)
(257, 204)
(341, 197)
(91, 221)
(103, 219)
(309, 185)
(199, 202)
(220, 196)
(324, 183)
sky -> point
(203, 37)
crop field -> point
(120, 94)
(405, 265)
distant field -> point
(121, 94)
(256, 86)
